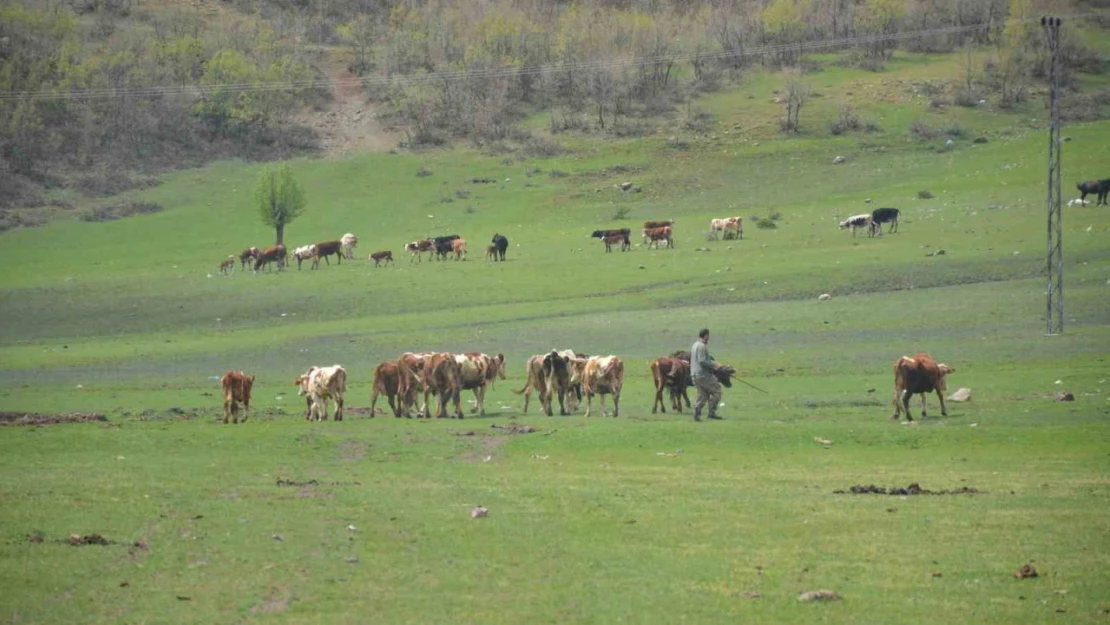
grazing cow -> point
(502, 244)
(918, 374)
(378, 257)
(857, 221)
(880, 216)
(237, 388)
(672, 374)
(273, 254)
(227, 265)
(349, 242)
(443, 248)
(442, 377)
(325, 249)
(417, 248)
(387, 381)
(303, 253)
(491, 252)
(655, 235)
(615, 238)
(1098, 187)
(247, 257)
(735, 225)
(458, 246)
(477, 372)
(601, 234)
(319, 385)
(603, 375)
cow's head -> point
(499, 362)
(724, 375)
(942, 384)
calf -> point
(655, 235)
(491, 252)
(672, 374)
(603, 375)
(349, 242)
(458, 246)
(378, 257)
(303, 253)
(319, 385)
(1099, 187)
(273, 254)
(880, 216)
(601, 234)
(247, 257)
(227, 265)
(502, 244)
(325, 249)
(387, 381)
(918, 374)
(236, 387)
(735, 225)
(857, 221)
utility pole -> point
(1054, 292)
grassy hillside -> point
(645, 518)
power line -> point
(452, 75)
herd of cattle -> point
(409, 383)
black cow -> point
(880, 216)
(443, 245)
(500, 244)
(1098, 187)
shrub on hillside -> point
(954, 130)
(118, 210)
(557, 173)
(1082, 106)
(423, 172)
(621, 213)
(541, 147)
(925, 195)
(108, 183)
(766, 223)
(921, 131)
(846, 121)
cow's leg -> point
(307, 408)
(426, 412)
(897, 405)
(562, 399)
(339, 407)
(906, 397)
(601, 400)
(616, 403)
(589, 402)
(246, 409)
(227, 411)
(456, 397)
(943, 408)
(659, 398)
(923, 397)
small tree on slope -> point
(280, 200)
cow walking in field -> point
(477, 372)
(603, 375)
(919, 374)
(247, 257)
(417, 249)
(672, 374)
(325, 249)
(303, 253)
(615, 238)
(319, 385)
(383, 256)
(458, 246)
(1101, 188)
(228, 265)
(554, 375)
(349, 241)
(880, 216)
(387, 381)
(236, 387)
(733, 225)
(274, 254)
(659, 235)
(500, 244)
(654, 224)
(442, 377)
(857, 222)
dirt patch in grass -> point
(35, 418)
(912, 489)
(352, 450)
(284, 482)
(88, 539)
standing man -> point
(702, 367)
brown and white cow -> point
(319, 385)
(274, 254)
(658, 223)
(387, 381)
(384, 255)
(603, 375)
(349, 241)
(553, 375)
(918, 374)
(477, 372)
(325, 249)
(856, 222)
(672, 374)
(442, 377)
(614, 238)
(236, 387)
(247, 257)
(735, 225)
(303, 253)
(417, 249)
(410, 369)
(655, 235)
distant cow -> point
(236, 387)
(735, 225)
(673, 375)
(273, 254)
(491, 252)
(384, 255)
(458, 246)
(601, 234)
(303, 253)
(918, 374)
(325, 249)
(442, 377)
(247, 257)
(880, 216)
(657, 235)
(387, 381)
(616, 238)
(1098, 187)
(603, 375)
(659, 223)
(501, 243)
(855, 222)
(349, 241)
(227, 265)
(477, 372)
(319, 385)
(417, 249)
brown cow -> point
(410, 369)
(918, 374)
(458, 246)
(247, 256)
(237, 388)
(387, 381)
(491, 252)
(603, 375)
(378, 257)
(273, 254)
(616, 237)
(441, 376)
(325, 249)
(674, 375)
(659, 223)
(227, 265)
(655, 235)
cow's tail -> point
(341, 381)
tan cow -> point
(227, 265)
(236, 387)
(477, 372)
(319, 385)
(603, 375)
(918, 374)
(441, 376)
(458, 246)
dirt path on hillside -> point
(350, 124)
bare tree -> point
(797, 92)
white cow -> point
(349, 242)
(319, 385)
(734, 225)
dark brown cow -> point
(1098, 187)
(918, 374)
(614, 238)
(378, 257)
(273, 254)
(655, 235)
(387, 381)
(236, 387)
(441, 376)
(247, 256)
(325, 249)
(672, 374)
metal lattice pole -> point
(1054, 292)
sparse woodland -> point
(442, 69)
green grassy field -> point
(645, 518)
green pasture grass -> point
(643, 518)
